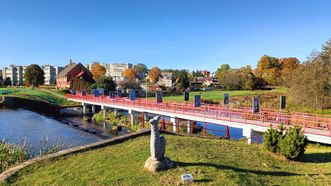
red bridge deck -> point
(312, 123)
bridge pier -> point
(248, 133)
(131, 113)
(115, 112)
(84, 108)
(93, 109)
(174, 124)
(189, 127)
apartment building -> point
(15, 73)
(50, 73)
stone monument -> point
(157, 161)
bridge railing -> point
(312, 123)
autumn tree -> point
(310, 83)
(140, 70)
(98, 71)
(269, 68)
(154, 74)
(34, 75)
(288, 67)
(129, 74)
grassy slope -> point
(212, 162)
(55, 97)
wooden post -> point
(227, 135)
(143, 120)
(163, 124)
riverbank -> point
(210, 161)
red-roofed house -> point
(72, 71)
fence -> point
(312, 123)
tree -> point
(269, 68)
(34, 75)
(154, 74)
(310, 83)
(79, 84)
(129, 74)
(106, 82)
(272, 138)
(98, 71)
(7, 81)
(128, 85)
(289, 65)
(222, 72)
(293, 144)
(140, 70)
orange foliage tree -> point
(130, 74)
(289, 65)
(98, 71)
(269, 68)
(154, 74)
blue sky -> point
(189, 34)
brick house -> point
(73, 70)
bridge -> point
(317, 128)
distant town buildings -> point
(50, 73)
(72, 71)
(16, 74)
(113, 69)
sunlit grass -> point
(36, 94)
(210, 161)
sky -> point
(177, 34)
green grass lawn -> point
(210, 161)
(55, 97)
(217, 95)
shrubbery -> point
(10, 155)
(272, 137)
(292, 144)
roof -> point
(65, 71)
(80, 74)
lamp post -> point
(146, 93)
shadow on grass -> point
(236, 169)
(317, 158)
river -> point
(19, 126)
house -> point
(166, 79)
(72, 71)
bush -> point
(293, 145)
(272, 137)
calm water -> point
(22, 126)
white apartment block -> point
(50, 73)
(15, 73)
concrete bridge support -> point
(115, 112)
(174, 124)
(131, 113)
(248, 133)
(84, 108)
(189, 127)
(93, 109)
